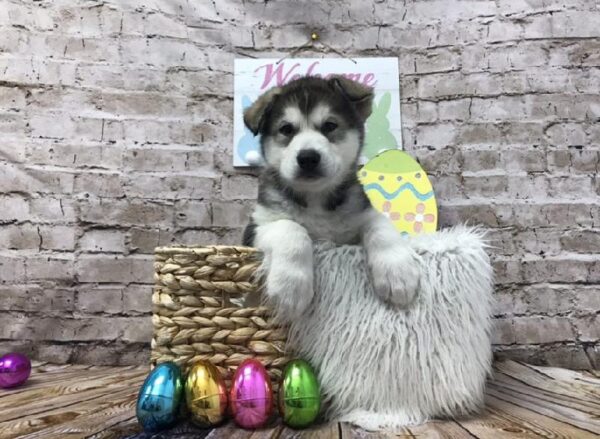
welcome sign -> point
(252, 77)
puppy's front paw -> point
(290, 288)
(396, 274)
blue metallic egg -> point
(159, 398)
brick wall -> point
(115, 120)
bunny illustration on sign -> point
(379, 137)
(248, 147)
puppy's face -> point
(312, 130)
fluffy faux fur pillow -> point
(381, 367)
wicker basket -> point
(194, 318)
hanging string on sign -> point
(311, 44)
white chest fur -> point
(341, 226)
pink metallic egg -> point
(251, 395)
(15, 368)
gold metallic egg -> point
(205, 394)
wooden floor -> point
(77, 401)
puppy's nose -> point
(308, 159)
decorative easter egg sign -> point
(253, 77)
(398, 187)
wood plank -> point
(120, 430)
(81, 390)
(591, 373)
(65, 416)
(87, 424)
(349, 431)
(542, 425)
(44, 381)
(584, 383)
(230, 430)
(511, 384)
(80, 401)
(35, 363)
(487, 425)
(131, 429)
(555, 411)
(439, 430)
(318, 431)
(535, 378)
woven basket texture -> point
(194, 317)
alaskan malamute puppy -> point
(312, 131)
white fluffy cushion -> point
(381, 367)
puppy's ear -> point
(361, 96)
(254, 115)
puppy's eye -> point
(287, 129)
(329, 127)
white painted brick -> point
(125, 212)
(137, 329)
(144, 241)
(200, 82)
(12, 98)
(169, 187)
(13, 269)
(527, 187)
(239, 187)
(14, 207)
(190, 213)
(427, 111)
(99, 299)
(50, 209)
(503, 332)
(453, 10)
(566, 134)
(393, 37)
(504, 31)
(232, 236)
(231, 214)
(170, 160)
(167, 132)
(98, 268)
(65, 126)
(497, 109)
(529, 160)
(32, 297)
(438, 135)
(57, 237)
(160, 52)
(16, 178)
(56, 267)
(38, 71)
(454, 110)
(439, 60)
(99, 184)
(102, 240)
(137, 298)
(19, 237)
(160, 24)
(199, 238)
(542, 329)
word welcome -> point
(283, 73)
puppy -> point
(312, 131)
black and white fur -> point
(312, 131)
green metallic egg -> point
(299, 395)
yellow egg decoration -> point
(398, 187)
(205, 394)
